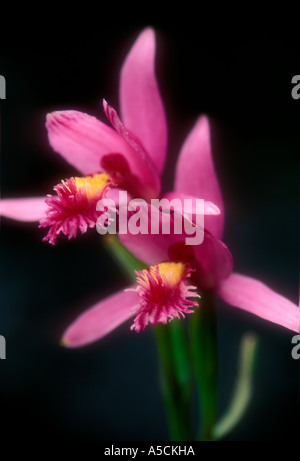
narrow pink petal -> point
(144, 166)
(23, 209)
(141, 106)
(255, 297)
(195, 173)
(101, 319)
(83, 140)
(209, 207)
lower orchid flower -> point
(213, 265)
(163, 292)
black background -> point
(110, 390)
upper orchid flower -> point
(128, 156)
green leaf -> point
(243, 388)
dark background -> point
(110, 390)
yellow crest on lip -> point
(93, 184)
(172, 272)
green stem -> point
(204, 352)
(176, 384)
(123, 257)
(181, 357)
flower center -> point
(164, 294)
(92, 184)
(74, 206)
(171, 272)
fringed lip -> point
(74, 206)
(164, 294)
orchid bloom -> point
(131, 156)
(209, 266)
(127, 156)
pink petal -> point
(83, 141)
(255, 297)
(23, 209)
(149, 248)
(141, 105)
(101, 319)
(144, 165)
(209, 207)
(212, 259)
(195, 173)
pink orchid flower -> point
(129, 157)
(163, 291)
(119, 158)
